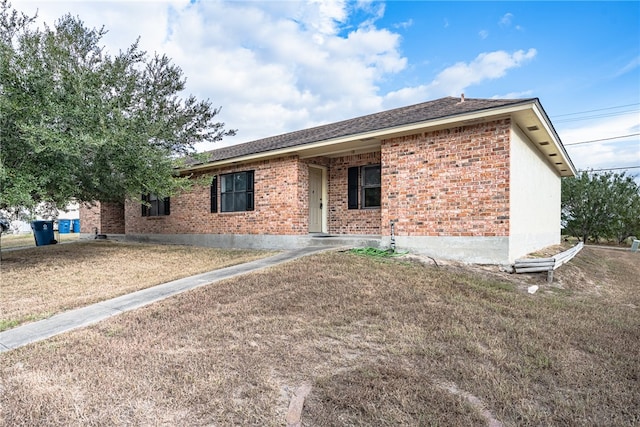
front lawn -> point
(41, 281)
(379, 342)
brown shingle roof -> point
(437, 109)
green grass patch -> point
(12, 323)
(8, 324)
(376, 253)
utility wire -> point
(603, 139)
(596, 110)
(597, 116)
(594, 116)
(609, 169)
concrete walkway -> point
(78, 318)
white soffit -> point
(534, 123)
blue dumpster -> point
(43, 232)
(64, 226)
(76, 225)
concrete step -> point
(321, 239)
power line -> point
(602, 112)
(609, 169)
(597, 116)
(603, 139)
(596, 110)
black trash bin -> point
(43, 232)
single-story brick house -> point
(476, 180)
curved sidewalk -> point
(80, 317)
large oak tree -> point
(77, 123)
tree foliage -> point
(601, 205)
(78, 123)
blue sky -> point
(280, 66)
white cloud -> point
(374, 9)
(404, 25)
(632, 65)
(276, 67)
(506, 19)
(273, 74)
(483, 34)
(624, 124)
(512, 95)
(453, 80)
(486, 66)
(323, 16)
(124, 21)
(605, 152)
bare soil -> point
(379, 342)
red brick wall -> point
(112, 218)
(451, 182)
(280, 205)
(341, 219)
(107, 217)
(89, 218)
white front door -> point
(315, 200)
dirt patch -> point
(595, 271)
(386, 394)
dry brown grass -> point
(39, 282)
(20, 240)
(381, 342)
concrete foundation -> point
(259, 241)
(471, 250)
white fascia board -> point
(553, 136)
